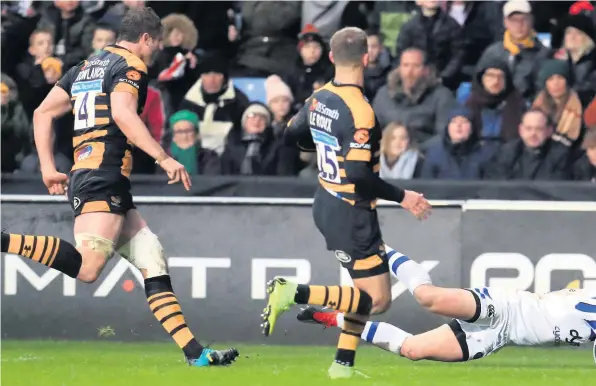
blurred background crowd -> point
(464, 90)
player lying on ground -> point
(106, 94)
(485, 319)
(339, 122)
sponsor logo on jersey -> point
(129, 81)
(359, 146)
(133, 75)
(87, 86)
(84, 153)
(323, 109)
(343, 257)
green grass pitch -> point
(50, 363)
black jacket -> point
(583, 170)
(441, 38)
(33, 86)
(376, 77)
(265, 163)
(515, 162)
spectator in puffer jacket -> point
(560, 102)
(268, 37)
(251, 151)
(216, 101)
(440, 36)
(280, 100)
(312, 66)
(584, 169)
(579, 49)
(415, 97)
(15, 127)
(72, 30)
(497, 107)
(460, 155)
(175, 66)
(520, 48)
(379, 65)
(482, 25)
(399, 157)
(534, 156)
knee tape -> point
(95, 243)
(365, 304)
(144, 251)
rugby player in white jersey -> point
(485, 319)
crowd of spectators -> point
(463, 89)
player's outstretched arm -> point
(56, 104)
(124, 113)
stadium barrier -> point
(291, 187)
(223, 250)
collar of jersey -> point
(334, 83)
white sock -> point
(385, 336)
(407, 271)
(339, 318)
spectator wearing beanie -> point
(280, 100)
(216, 101)
(578, 48)
(175, 65)
(312, 65)
(496, 105)
(584, 169)
(251, 151)
(460, 155)
(440, 36)
(559, 101)
(186, 145)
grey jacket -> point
(425, 113)
(524, 66)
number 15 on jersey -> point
(327, 146)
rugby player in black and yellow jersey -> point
(106, 94)
(339, 123)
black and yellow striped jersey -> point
(97, 141)
(343, 128)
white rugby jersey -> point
(565, 317)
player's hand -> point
(176, 172)
(55, 182)
(416, 204)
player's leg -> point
(95, 235)
(142, 248)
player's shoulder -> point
(122, 58)
(354, 99)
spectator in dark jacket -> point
(520, 48)
(460, 155)
(72, 30)
(217, 102)
(534, 156)
(113, 16)
(103, 36)
(15, 127)
(39, 72)
(331, 16)
(579, 49)
(399, 157)
(251, 151)
(280, 100)
(379, 65)
(438, 34)
(482, 25)
(414, 97)
(312, 65)
(584, 169)
(186, 145)
(559, 101)
(497, 107)
(268, 37)
(175, 65)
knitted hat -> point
(184, 115)
(256, 108)
(460, 111)
(582, 22)
(214, 63)
(275, 87)
(53, 63)
(310, 33)
(554, 67)
(580, 7)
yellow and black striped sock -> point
(349, 339)
(164, 305)
(47, 250)
(343, 299)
